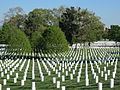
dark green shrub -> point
(16, 39)
(54, 39)
(35, 40)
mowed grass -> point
(69, 84)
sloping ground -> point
(76, 70)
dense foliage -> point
(17, 41)
(54, 39)
(36, 40)
(114, 33)
(53, 29)
(78, 23)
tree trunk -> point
(75, 47)
(116, 43)
(84, 44)
(89, 44)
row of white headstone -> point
(86, 74)
(61, 67)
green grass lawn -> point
(69, 84)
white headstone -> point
(11, 72)
(7, 88)
(58, 84)
(107, 64)
(69, 69)
(63, 78)
(8, 76)
(33, 75)
(73, 71)
(63, 70)
(78, 78)
(16, 75)
(96, 79)
(105, 76)
(63, 87)
(71, 76)
(98, 70)
(101, 73)
(4, 81)
(86, 81)
(5, 71)
(94, 75)
(99, 86)
(58, 74)
(49, 73)
(113, 74)
(2, 74)
(56, 71)
(0, 86)
(42, 78)
(15, 80)
(24, 77)
(22, 82)
(108, 72)
(111, 83)
(59, 67)
(66, 73)
(54, 79)
(33, 86)
(104, 69)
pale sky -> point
(108, 10)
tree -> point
(12, 13)
(54, 39)
(101, 34)
(36, 20)
(35, 40)
(76, 22)
(114, 33)
(16, 39)
(16, 17)
(5, 33)
(39, 18)
(91, 36)
(1, 39)
(57, 12)
(17, 21)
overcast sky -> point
(108, 10)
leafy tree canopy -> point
(17, 41)
(35, 40)
(114, 33)
(76, 22)
(54, 39)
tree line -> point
(51, 29)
